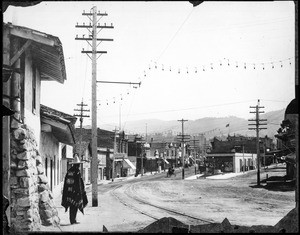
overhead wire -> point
(167, 46)
(240, 26)
(200, 107)
(169, 43)
(130, 107)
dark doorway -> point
(46, 166)
(51, 174)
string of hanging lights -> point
(229, 63)
(205, 67)
(115, 99)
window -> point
(83, 175)
(34, 89)
(64, 152)
(51, 174)
(46, 166)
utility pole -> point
(142, 158)
(264, 149)
(182, 142)
(144, 151)
(257, 128)
(81, 115)
(194, 148)
(120, 128)
(92, 15)
(115, 151)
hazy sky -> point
(176, 36)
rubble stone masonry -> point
(31, 199)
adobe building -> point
(29, 58)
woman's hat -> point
(76, 160)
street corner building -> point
(111, 163)
(35, 138)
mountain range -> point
(210, 126)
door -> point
(241, 165)
(51, 174)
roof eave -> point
(47, 49)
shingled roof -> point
(47, 51)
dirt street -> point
(236, 199)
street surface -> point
(204, 200)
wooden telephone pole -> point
(115, 151)
(81, 115)
(257, 128)
(92, 28)
(183, 140)
(194, 151)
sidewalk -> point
(94, 217)
(229, 175)
(218, 176)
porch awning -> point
(60, 128)
(128, 164)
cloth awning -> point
(128, 164)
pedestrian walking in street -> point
(74, 194)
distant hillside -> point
(210, 126)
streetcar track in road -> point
(129, 205)
(144, 202)
(165, 208)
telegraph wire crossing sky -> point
(213, 60)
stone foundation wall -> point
(31, 199)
